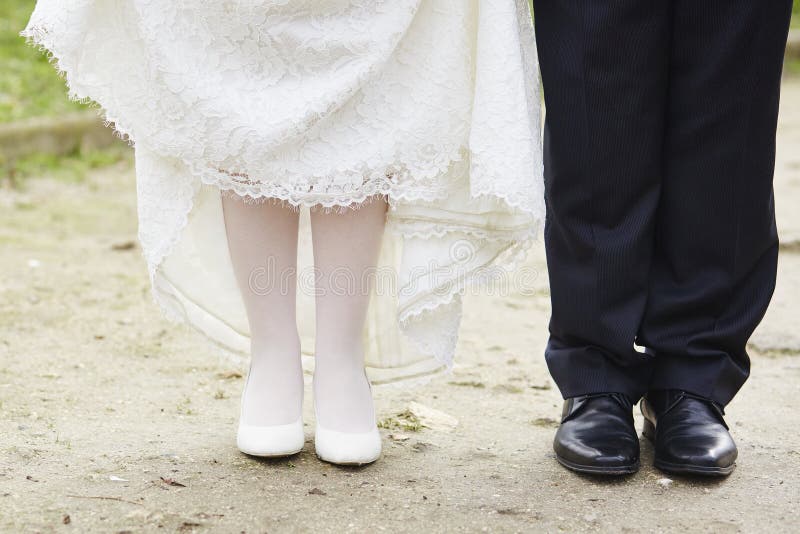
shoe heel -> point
(649, 430)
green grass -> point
(796, 14)
(71, 168)
(792, 65)
(29, 84)
(405, 421)
(31, 87)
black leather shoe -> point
(597, 435)
(689, 434)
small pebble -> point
(664, 482)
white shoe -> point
(271, 441)
(346, 448)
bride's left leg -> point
(346, 248)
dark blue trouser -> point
(659, 159)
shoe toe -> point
(601, 453)
(271, 441)
(345, 448)
(716, 451)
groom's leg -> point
(716, 245)
(604, 66)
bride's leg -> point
(262, 238)
(346, 247)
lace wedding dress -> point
(433, 103)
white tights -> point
(262, 238)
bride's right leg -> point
(262, 238)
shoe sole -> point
(271, 454)
(348, 464)
(649, 431)
(605, 471)
(687, 469)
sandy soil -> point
(113, 420)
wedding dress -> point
(432, 103)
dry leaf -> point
(228, 375)
(171, 482)
(125, 245)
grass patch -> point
(404, 420)
(796, 14)
(29, 84)
(71, 168)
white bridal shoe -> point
(346, 448)
(269, 441)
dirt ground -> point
(114, 420)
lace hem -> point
(509, 259)
(397, 182)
